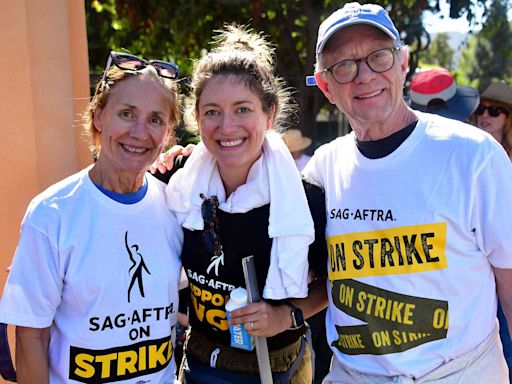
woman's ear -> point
(98, 123)
(170, 139)
(270, 118)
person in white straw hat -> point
(297, 143)
(418, 221)
(494, 114)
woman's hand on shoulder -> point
(165, 160)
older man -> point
(418, 221)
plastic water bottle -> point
(239, 336)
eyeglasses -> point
(211, 236)
(493, 110)
(378, 61)
(128, 62)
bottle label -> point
(239, 336)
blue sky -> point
(446, 24)
(438, 24)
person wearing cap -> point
(435, 91)
(297, 143)
(494, 114)
(418, 221)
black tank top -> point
(241, 234)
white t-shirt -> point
(412, 241)
(302, 161)
(104, 275)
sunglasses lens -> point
(166, 69)
(207, 211)
(208, 208)
(211, 239)
(128, 62)
(494, 111)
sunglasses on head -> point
(127, 62)
(211, 237)
(493, 110)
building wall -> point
(44, 85)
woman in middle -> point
(240, 194)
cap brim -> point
(459, 107)
(349, 23)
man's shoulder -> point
(336, 144)
(442, 128)
(463, 138)
(327, 155)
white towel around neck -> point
(272, 178)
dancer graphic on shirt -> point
(137, 275)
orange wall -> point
(44, 85)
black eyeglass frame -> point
(115, 58)
(492, 110)
(211, 235)
(358, 62)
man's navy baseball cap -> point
(352, 14)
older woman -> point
(494, 114)
(93, 285)
(240, 194)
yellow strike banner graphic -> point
(120, 363)
(390, 251)
(394, 322)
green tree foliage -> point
(466, 62)
(489, 53)
(439, 53)
(181, 29)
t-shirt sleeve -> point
(33, 290)
(312, 171)
(317, 256)
(491, 217)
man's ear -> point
(405, 61)
(324, 87)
